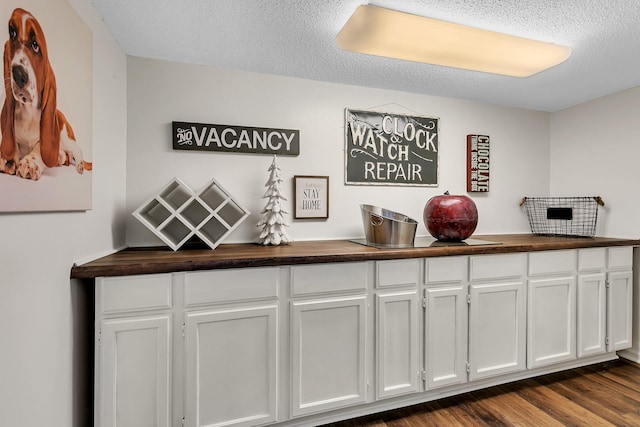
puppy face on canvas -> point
(35, 134)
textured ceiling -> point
(297, 38)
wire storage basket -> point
(563, 216)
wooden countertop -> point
(133, 261)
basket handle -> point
(376, 223)
(598, 199)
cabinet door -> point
(551, 322)
(445, 336)
(134, 371)
(497, 320)
(397, 339)
(231, 367)
(327, 354)
(619, 310)
(591, 309)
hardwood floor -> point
(606, 394)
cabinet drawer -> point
(592, 259)
(489, 267)
(401, 272)
(134, 293)
(445, 269)
(328, 278)
(234, 284)
(620, 258)
(552, 262)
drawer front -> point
(328, 278)
(401, 272)
(235, 284)
(489, 267)
(134, 293)
(620, 258)
(552, 262)
(445, 269)
(592, 259)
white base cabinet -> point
(311, 344)
(445, 326)
(497, 315)
(231, 360)
(397, 343)
(135, 355)
(591, 297)
(619, 310)
(496, 329)
(133, 374)
(397, 328)
(552, 321)
(328, 354)
(551, 325)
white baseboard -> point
(631, 354)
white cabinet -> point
(327, 354)
(328, 336)
(591, 305)
(445, 326)
(551, 321)
(231, 366)
(445, 321)
(551, 303)
(619, 312)
(591, 318)
(308, 344)
(135, 372)
(230, 346)
(397, 349)
(133, 352)
(619, 297)
(496, 329)
(397, 328)
(475, 318)
(497, 315)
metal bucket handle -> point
(376, 224)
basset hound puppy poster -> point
(46, 107)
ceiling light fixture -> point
(383, 32)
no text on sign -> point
(235, 139)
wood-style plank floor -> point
(606, 394)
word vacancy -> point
(238, 139)
(390, 149)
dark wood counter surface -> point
(133, 261)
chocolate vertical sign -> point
(477, 163)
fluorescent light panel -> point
(383, 32)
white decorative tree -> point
(273, 221)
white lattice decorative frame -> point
(177, 213)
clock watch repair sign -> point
(235, 139)
(390, 149)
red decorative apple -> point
(450, 218)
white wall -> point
(43, 347)
(162, 92)
(595, 151)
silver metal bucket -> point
(387, 228)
